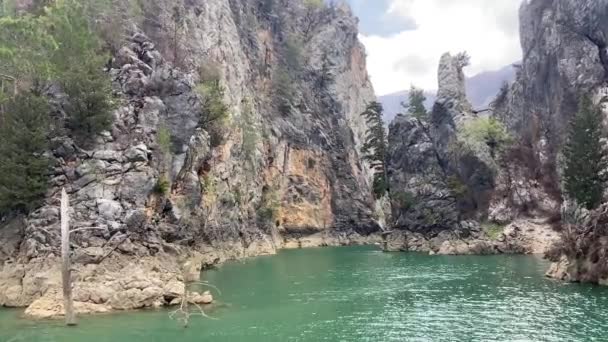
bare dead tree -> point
(66, 267)
(68, 301)
(184, 312)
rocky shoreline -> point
(120, 282)
(524, 236)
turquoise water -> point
(361, 294)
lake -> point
(360, 294)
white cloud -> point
(486, 29)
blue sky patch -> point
(374, 19)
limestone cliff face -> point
(564, 56)
(302, 176)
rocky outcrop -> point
(435, 183)
(564, 57)
(153, 203)
(523, 236)
(445, 186)
(564, 54)
(563, 44)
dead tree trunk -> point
(68, 302)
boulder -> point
(205, 298)
(457, 247)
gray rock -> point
(136, 219)
(149, 116)
(137, 153)
(108, 155)
(88, 255)
(109, 210)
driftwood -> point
(183, 313)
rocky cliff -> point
(458, 175)
(564, 57)
(159, 187)
(436, 185)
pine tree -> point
(415, 106)
(23, 141)
(585, 159)
(78, 62)
(375, 147)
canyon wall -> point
(159, 188)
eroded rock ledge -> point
(520, 237)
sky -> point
(404, 39)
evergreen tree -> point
(415, 106)
(79, 63)
(23, 141)
(585, 159)
(375, 147)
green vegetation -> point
(7, 8)
(283, 90)
(315, 4)
(492, 230)
(162, 185)
(457, 187)
(114, 19)
(585, 159)
(55, 42)
(23, 140)
(89, 104)
(177, 31)
(210, 187)
(487, 132)
(375, 147)
(415, 106)
(404, 199)
(268, 211)
(61, 45)
(430, 217)
(214, 111)
(293, 53)
(163, 137)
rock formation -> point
(435, 186)
(564, 57)
(301, 182)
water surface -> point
(361, 294)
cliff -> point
(564, 45)
(159, 187)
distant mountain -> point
(483, 87)
(481, 90)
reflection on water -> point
(361, 294)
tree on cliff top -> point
(585, 159)
(415, 105)
(375, 147)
